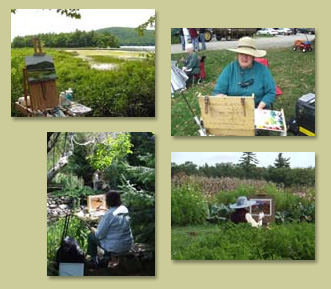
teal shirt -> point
(232, 76)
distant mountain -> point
(130, 36)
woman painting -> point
(241, 214)
(113, 233)
(244, 76)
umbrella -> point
(178, 78)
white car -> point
(267, 31)
(285, 31)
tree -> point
(281, 162)
(73, 13)
(103, 149)
(248, 159)
(149, 23)
(248, 163)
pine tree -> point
(281, 162)
(248, 159)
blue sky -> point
(297, 159)
(34, 21)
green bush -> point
(243, 242)
(128, 91)
(141, 205)
(76, 229)
(188, 207)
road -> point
(278, 41)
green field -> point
(242, 242)
(127, 91)
(294, 73)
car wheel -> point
(294, 48)
(208, 36)
(304, 50)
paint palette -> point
(270, 120)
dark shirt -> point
(181, 33)
(239, 216)
(202, 30)
(193, 32)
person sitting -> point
(192, 62)
(113, 233)
(241, 214)
(244, 76)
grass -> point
(242, 242)
(294, 73)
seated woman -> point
(113, 233)
(244, 76)
(192, 62)
(241, 215)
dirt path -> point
(278, 41)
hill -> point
(130, 37)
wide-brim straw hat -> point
(246, 45)
(242, 202)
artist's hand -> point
(261, 215)
(261, 105)
(93, 230)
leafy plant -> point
(76, 229)
(188, 207)
(242, 242)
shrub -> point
(76, 229)
(188, 207)
(242, 242)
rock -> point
(53, 206)
(63, 206)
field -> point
(242, 242)
(294, 73)
(125, 90)
(201, 229)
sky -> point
(297, 159)
(35, 21)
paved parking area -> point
(278, 41)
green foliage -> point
(149, 23)
(73, 13)
(69, 40)
(285, 175)
(112, 148)
(281, 162)
(141, 205)
(188, 207)
(77, 229)
(130, 36)
(243, 242)
(128, 91)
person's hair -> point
(113, 199)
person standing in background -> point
(194, 38)
(202, 38)
(182, 38)
(186, 36)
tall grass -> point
(242, 242)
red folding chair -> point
(202, 75)
(265, 62)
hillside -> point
(130, 37)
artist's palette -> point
(269, 120)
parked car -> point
(285, 31)
(306, 30)
(267, 31)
